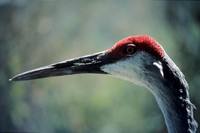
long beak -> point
(85, 64)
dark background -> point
(40, 32)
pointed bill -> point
(85, 64)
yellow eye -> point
(130, 49)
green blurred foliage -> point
(40, 32)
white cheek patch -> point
(129, 69)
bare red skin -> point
(142, 42)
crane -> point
(139, 59)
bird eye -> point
(130, 49)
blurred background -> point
(40, 32)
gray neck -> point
(173, 98)
(178, 113)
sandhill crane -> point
(141, 60)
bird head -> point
(133, 58)
(138, 59)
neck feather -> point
(173, 98)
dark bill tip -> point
(35, 74)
